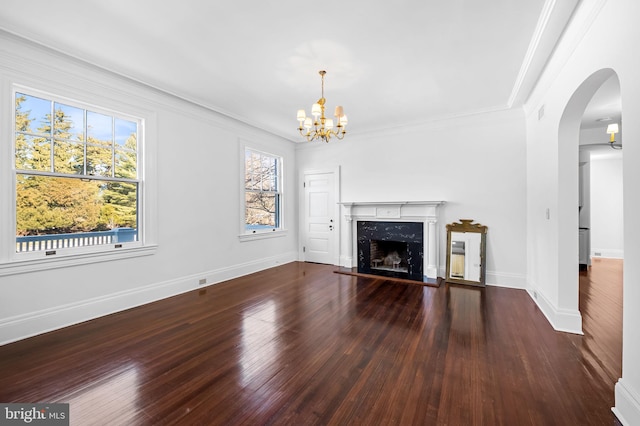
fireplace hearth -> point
(393, 249)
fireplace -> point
(389, 256)
(393, 249)
(424, 214)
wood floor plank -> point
(299, 344)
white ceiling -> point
(389, 63)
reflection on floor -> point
(601, 309)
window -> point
(77, 176)
(262, 192)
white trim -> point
(532, 50)
(506, 280)
(263, 235)
(583, 17)
(34, 323)
(608, 253)
(426, 212)
(627, 408)
(566, 320)
(42, 264)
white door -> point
(320, 233)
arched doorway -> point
(579, 110)
(568, 187)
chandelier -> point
(321, 127)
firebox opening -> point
(389, 256)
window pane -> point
(120, 205)
(268, 182)
(69, 122)
(126, 164)
(251, 176)
(126, 134)
(69, 158)
(248, 163)
(33, 153)
(55, 212)
(99, 129)
(99, 161)
(268, 165)
(260, 210)
(252, 182)
(33, 114)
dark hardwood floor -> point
(601, 309)
(301, 345)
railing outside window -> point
(58, 241)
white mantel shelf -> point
(392, 209)
(415, 211)
(401, 203)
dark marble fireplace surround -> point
(404, 239)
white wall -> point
(476, 164)
(597, 40)
(607, 233)
(197, 208)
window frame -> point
(280, 230)
(11, 261)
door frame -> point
(302, 211)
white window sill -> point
(262, 235)
(43, 264)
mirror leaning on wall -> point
(466, 253)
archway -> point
(568, 175)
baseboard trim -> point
(34, 323)
(607, 253)
(506, 279)
(627, 408)
(346, 261)
(565, 320)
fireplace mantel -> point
(409, 211)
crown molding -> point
(552, 23)
(155, 94)
(582, 19)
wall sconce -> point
(612, 129)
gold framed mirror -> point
(466, 253)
